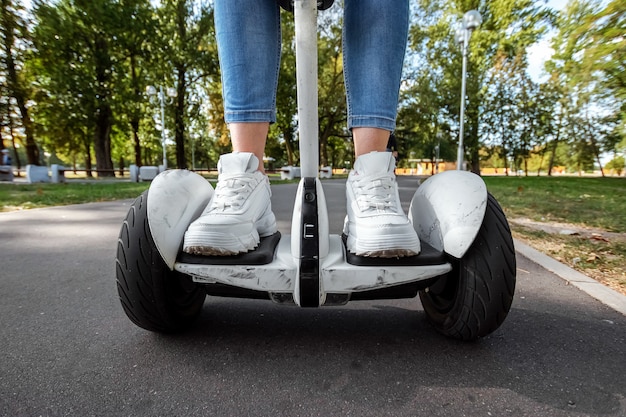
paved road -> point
(67, 349)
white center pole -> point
(305, 15)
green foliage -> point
(79, 64)
(618, 164)
(84, 65)
(509, 27)
(14, 82)
(591, 100)
(186, 57)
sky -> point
(540, 52)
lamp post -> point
(162, 97)
(471, 21)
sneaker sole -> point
(396, 246)
(219, 244)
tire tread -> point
(483, 293)
(149, 292)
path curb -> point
(600, 292)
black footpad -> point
(262, 255)
(427, 256)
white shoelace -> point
(375, 194)
(232, 192)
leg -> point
(248, 37)
(248, 41)
(375, 35)
(374, 44)
(250, 137)
(240, 212)
(369, 139)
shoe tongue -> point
(375, 163)
(238, 163)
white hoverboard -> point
(464, 275)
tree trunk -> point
(471, 145)
(103, 115)
(503, 154)
(87, 150)
(288, 135)
(16, 89)
(525, 166)
(18, 163)
(179, 121)
(135, 117)
(555, 143)
(596, 150)
(134, 124)
(102, 141)
(181, 70)
(323, 142)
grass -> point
(594, 202)
(583, 202)
(27, 196)
(579, 204)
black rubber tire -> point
(153, 297)
(473, 299)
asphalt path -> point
(67, 349)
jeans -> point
(374, 42)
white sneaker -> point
(239, 212)
(376, 225)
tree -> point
(186, 35)
(76, 45)
(588, 65)
(332, 107)
(509, 27)
(135, 42)
(500, 107)
(13, 38)
(284, 131)
(605, 54)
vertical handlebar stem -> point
(305, 15)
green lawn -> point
(25, 196)
(595, 202)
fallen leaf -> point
(598, 237)
(593, 257)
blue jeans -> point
(374, 42)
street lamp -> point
(163, 97)
(471, 21)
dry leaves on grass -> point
(592, 254)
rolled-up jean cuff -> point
(250, 116)
(372, 121)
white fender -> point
(175, 199)
(448, 209)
